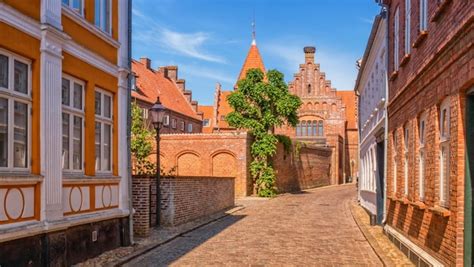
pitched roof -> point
(253, 61)
(349, 99)
(151, 84)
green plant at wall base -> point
(260, 106)
(141, 143)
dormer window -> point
(75, 5)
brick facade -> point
(437, 70)
(331, 115)
(183, 199)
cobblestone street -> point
(311, 228)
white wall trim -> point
(14, 18)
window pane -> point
(3, 132)
(20, 133)
(77, 5)
(65, 154)
(107, 147)
(66, 2)
(321, 128)
(97, 146)
(65, 92)
(97, 13)
(97, 103)
(107, 106)
(106, 16)
(77, 96)
(3, 71)
(77, 144)
(315, 128)
(21, 77)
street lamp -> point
(157, 112)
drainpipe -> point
(129, 115)
(386, 17)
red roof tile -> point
(253, 61)
(151, 84)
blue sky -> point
(209, 39)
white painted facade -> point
(372, 89)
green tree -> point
(141, 142)
(260, 105)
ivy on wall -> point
(260, 105)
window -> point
(103, 131)
(205, 123)
(396, 42)
(394, 160)
(72, 93)
(298, 129)
(421, 157)
(423, 15)
(407, 26)
(181, 126)
(309, 88)
(173, 123)
(303, 128)
(222, 117)
(190, 127)
(102, 15)
(321, 128)
(75, 5)
(315, 127)
(444, 134)
(133, 82)
(166, 120)
(405, 163)
(15, 102)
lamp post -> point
(157, 112)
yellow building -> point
(64, 68)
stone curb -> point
(150, 247)
(371, 240)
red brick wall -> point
(440, 66)
(218, 154)
(302, 168)
(183, 199)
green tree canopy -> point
(260, 105)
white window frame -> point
(12, 96)
(104, 120)
(396, 43)
(444, 153)
(166, 120)
(394, 162)
(421, 155)
(78, 113)
(205, 122)
(174, 123)
(70, 6)
(423, 15)
(407, 27)
(102, 27)
(181, 125)
(190, 128)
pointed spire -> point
(254, 41)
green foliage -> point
(141, 144)
(260, 106)
(286, 142)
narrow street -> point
(310, 228)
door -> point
(468, 202)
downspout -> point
(129, 115)
(385, 16)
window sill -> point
(421, 37)
(90, 179)
(77, 18)
(394, 75)
(419, 205)
(440, 10)
(404, 200)
(443, 212)
(405, 60)
(20, 178)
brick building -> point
(430, 129)
(63, 121)
(327, 117)
(371, 88)
(148, 84)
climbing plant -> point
(141, 143)
(260, 104)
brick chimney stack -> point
(171, 72)
(146, 61)
(309, 54)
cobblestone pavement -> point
(313, 228)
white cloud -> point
(149, 33)
(203, 72)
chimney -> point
(146, 61)
(188, 94)
(171, 72)
(309, 54)
(194, 104)
(181, 83)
